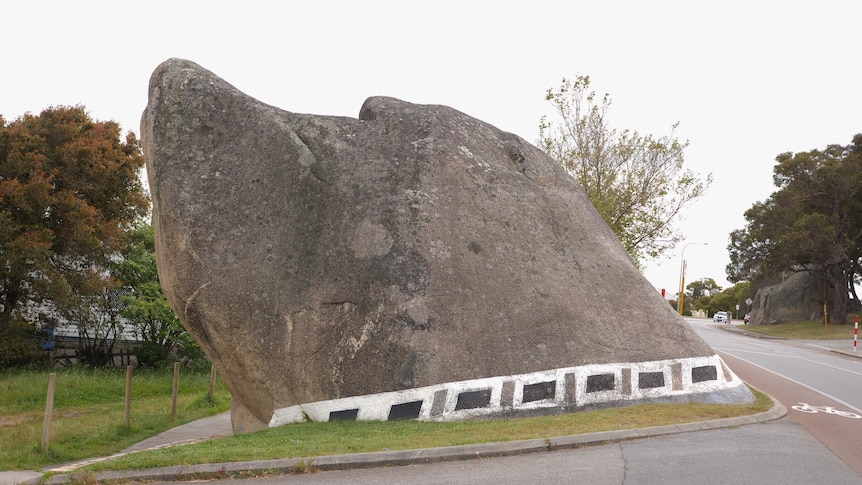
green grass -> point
(340, 437)
(807, 329)
(89, 412)
(88, 421)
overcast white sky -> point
(747, 80)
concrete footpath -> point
(200, 430)
(219, 425)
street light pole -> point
(682, 277)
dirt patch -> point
(15, 419)
(70, 414)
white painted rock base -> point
(700, 379)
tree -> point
(728, 299)
(636, 182)
(723, 301)
(700, 293)
(812, 223)
(702, 287)
(92, 303)
(158, 329)
(69, 189)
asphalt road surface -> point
(821, 389)
(804, 448)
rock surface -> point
(318, 257)
(798, 297)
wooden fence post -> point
(175, 391)
(49, 410)
(128, 396)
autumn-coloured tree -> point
(69, 190)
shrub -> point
(21, 345)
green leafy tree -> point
(742, 291)
(702, 287)
(700, 292)
(69, 190)
(724, 301)
(637, 182)
(812, 223)
(728, 299)
(162, 336)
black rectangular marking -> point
(473, 399)
(346, 415)
(407, 410)
(704, 373)
(540, 391)
(649, 380)
(601, 382)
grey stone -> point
(798, 297)
(319, 257)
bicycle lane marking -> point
(821, 393)
(839, 434)
(824, 394)
(807, 408)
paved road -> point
(805, 376)
(810, 363)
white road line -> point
(819, 346)
(726, 350)
(818, 391)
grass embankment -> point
(89, 412)
(340, 437)
(807, 330)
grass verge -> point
(89, 412)
(341, 437)
(806, 329)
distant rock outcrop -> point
(412, 263)
(798, 297)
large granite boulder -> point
(798, 297)
(412, 263)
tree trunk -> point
(851, 288)
(837, 298)
(10, 300)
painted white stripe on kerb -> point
(376, 407)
